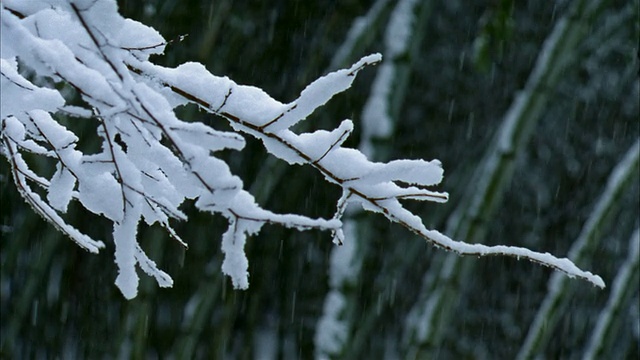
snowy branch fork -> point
(89, 47)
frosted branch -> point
(376, 186)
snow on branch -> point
(378, 187)
(150, 161)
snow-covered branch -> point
(150, 161)
(372, 185)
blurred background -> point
(568, 186)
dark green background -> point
(60, 302)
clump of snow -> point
(19, 95)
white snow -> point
(61, 188)
(19, 95)
(319, 92)
(124, 234)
